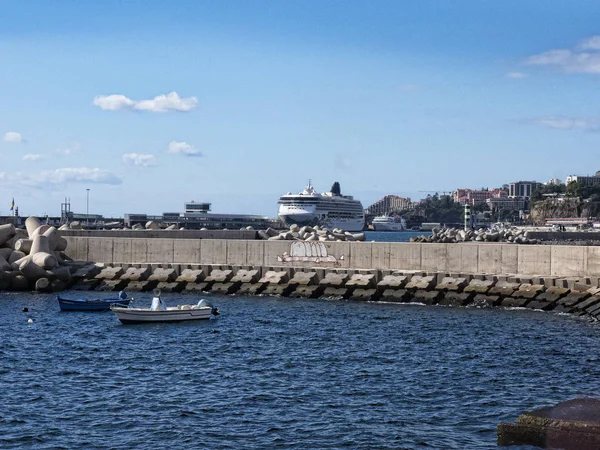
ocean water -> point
(393, 236)
(283, 373)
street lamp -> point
(87, 213)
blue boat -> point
(82, 304)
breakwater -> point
(469, 258)
(579, 296)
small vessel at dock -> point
(389, 223)
(160, 312)
(82, 304)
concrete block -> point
(553, 294)
(426, 297)
(562, 309)
(246, 276)
(335, 292)
(363, 281)
(191, 276)
(588, 303)
(141, 286)
(219, 276)
(541, 305)
(422, 283)
(573, 298)
(275, 277)
(304, 278)
(485, 301)
(313, 291)
(452, 298)
(161, 274)
(392, 282)
(333, 279)
(160, 250)
(176, 286)
(528, 291)
(196, 287)
(283, 290)
(452, 284)
(225, 288)
(112, 285)
(361, 255)
(511, 302)
(504, 288)
(137, 273)
(479, 286)
(365, 295)
(87, 271)
(251, 288)
(86, 285)
(395, 295)
(110, 273)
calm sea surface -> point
(393, 236)
(283, 373)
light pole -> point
(87, 213)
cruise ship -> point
(389, 223)
(329, 209)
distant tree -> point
(336, 189)
(573, 189)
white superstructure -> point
(388, 223)
(328, 209)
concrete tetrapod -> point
(32, 224)
(40, 244)
(45, 260)
(6, 232)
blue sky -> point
(151, 104)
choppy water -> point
(283, 373)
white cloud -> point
(74, 147)
(160, 103)
(568, 123)
(50, 179)
(32, 157)
(591, 43)
(584, 58)
(136, 159)
(13, 136)
(516, 75)
(183, 148)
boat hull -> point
(142, 315)
(388, 227)
(90, 305)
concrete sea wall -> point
(473, 258)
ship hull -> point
(356, 224)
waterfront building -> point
(585, 180)
(197, 215)
(506, 203)
(523, 189)
(474, 197)
(389, 204)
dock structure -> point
(562, 279)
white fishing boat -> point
(160, 312)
